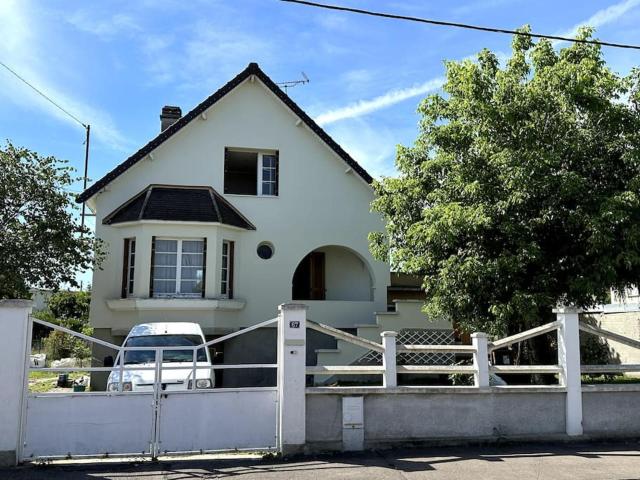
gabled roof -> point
(177, 203)
(252, 69)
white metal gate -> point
(147, 423)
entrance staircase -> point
(410, 323)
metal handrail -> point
(436, 348)
(620, 368)
(609, 335)
(527, 334)
(347, 337)
(525, 368)
(345, 370)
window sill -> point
(174, 304)
(250, 196)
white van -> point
(169, 334)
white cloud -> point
(104, 27)
(479, 5)
(390, 98)
(23, 49)
(372, 147)
(201, 54)
(333, 22)
(603, 17)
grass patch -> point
(43, 382)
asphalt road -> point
(555, 462)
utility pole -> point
(86, 169)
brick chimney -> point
(169, 116)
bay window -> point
(178, 267)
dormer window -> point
(251, 172)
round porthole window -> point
(265, 250)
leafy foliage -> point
(71, 310)
(68, 305)
(522, 190)
(42, 244)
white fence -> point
(568, 367)
(292, 417)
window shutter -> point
(153, 258)
(230, 281)
(125, 268)
(276, 189)
(204, 267)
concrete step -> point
(328, 350)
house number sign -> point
(294, 324)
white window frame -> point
(259, 165)
(131, 266)
(178, 266)
(261, 180)
(224, 269)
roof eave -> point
(252, 69)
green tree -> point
(69, 309)
(70, 306)
(41, 242)
(522, 189)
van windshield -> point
(149, 356)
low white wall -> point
(410, 415)
(416, 417)
(324, 422)
(407, 416)
(611, 411)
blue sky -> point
(114, 64)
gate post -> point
(15, 328)
(390, 376)
(479, 341)
(292, 333)
(569, 361)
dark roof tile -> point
(174, 203)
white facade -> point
(322, 204)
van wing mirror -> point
(108, 361)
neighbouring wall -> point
(625, 323)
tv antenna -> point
(293, 83)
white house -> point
(240, 205)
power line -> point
(42, 94)
(460, 25)
(70, 115)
